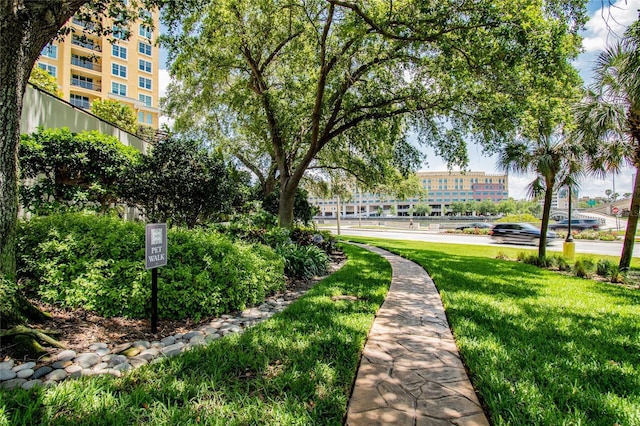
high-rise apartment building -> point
(90, 67)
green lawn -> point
(295, 369)
(541, 348)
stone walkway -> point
(410, 372)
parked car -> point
(479, 225)
(576, 224)
(518, 233)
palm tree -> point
(608, 121)
(554, 161)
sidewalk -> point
(410, 372)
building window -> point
(79, 101)
(50, 51)
(144, 48)
(145, 31)
(119, 32)
(144, 65)
(119, 51)
(145, 99)
(141, 116)
(145, 15)
(149, 119)
(119, 70)
(119, 89)
(144, 83)
(48, 68)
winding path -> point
(411, 372)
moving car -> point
(576, 224)
(479, 225)
(518, 233)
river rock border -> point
(115, 360)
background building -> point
(443, 188)
(90, 67)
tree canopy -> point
(328, 83)
(116, 113)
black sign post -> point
(155, 256)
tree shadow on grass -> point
(296, 368)
(541, 348)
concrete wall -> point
(40, 109)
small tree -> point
(183, 184)
(45, 81)
(116, 113)
(423, 209)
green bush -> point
(604, 267)
(560, 262)
(522, 217)
(616, 275)
(81, 260)
(303, 261)
(476, 231)
(583, 268)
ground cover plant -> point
(296, 368)
(97, 263)
(542, 348)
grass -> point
(541, 348)
(295, 369)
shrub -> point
(604, 267)
(583, 268)
(80, 260)
(617, 276)
(532, 259)
(476, 231)
(303, 261)
(521, 256)
(523, 217)
(560, 263)
(502, 256)
(66, 170)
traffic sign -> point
(615, 210)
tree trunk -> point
(632, 225)
(25, 28)
(286, 202)
(546, 212)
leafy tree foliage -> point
(181, 183)
(609, 121)
(117, 113)
(63, 170)
(45, 81)
(339, 84)
(422, 209)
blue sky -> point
(606, 25)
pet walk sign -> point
(155, 254)
(156, 245)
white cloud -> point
(608, 24)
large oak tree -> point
(291, 85)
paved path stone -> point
(411, 372)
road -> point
(613, 248)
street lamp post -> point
(569, 246)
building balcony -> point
(86, 43)
(85, 64)
(78, 83)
